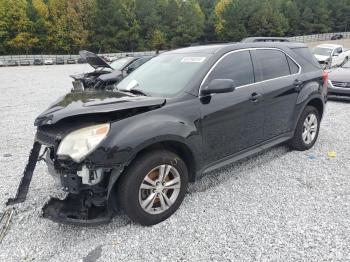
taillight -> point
(325, 78)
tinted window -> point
(294, 69)
(236, 66)
(306, 59)
(273, 63)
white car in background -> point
(331, 55)
(48, 62)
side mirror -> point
(335, 54)
(218, 86)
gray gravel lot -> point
(277, 206)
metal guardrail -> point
(30, 58)
(304, 39)
(318, 37)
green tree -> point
(339, 15)
(79, 15)
(38, 14)
(158, 40)
(230, 18)
(207, 7)
(189, 24)
(15, 27)
(59, 34)
(268, 20)
(292, 13)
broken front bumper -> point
(88, 188)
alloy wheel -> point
(310, 129)
(159, 189)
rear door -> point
(280, 82)
(232, 121)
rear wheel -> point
(153, 187)
(307, 129)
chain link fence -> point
(318, 37)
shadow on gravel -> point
(341, 99)
(233, 171)
(93, 254)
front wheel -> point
(153, 187)
(307, 129)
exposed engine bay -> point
(105, 75)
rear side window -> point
(237, 66)
(294, 68)
(273, 64)
(306, 59)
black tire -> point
(297, 142)
(129, 185)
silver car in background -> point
(339, 80)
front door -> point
(232, 121)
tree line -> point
(67, 26)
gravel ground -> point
(277, 206)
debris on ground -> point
(331, 154)
(5, 221)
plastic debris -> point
(332, 154)
(5, 222)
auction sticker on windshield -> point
(195, 59)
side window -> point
(273, 63)
(294, 68)
(306, 59)
(237, 66)
(338, 50)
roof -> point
(212, 49)
(329, 46)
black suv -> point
(184, 113)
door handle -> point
(255, 97)
(298, 84)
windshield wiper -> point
(135, 91)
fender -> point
(308, 93)
(310, 89)
(130, 136)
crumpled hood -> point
(340, 75)
(85, 103)
(321, 58)
(94, 60)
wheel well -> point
(180, 149)
(317, 103)
(177, 147)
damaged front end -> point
(68, 133)
(87, 186)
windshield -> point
(323, 51)
(346, 65)
(164, 75)
(120, 63)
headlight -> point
(81, 142)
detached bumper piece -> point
(79, 210)
(23, 188)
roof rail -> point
(265, 39)
(211, 43)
